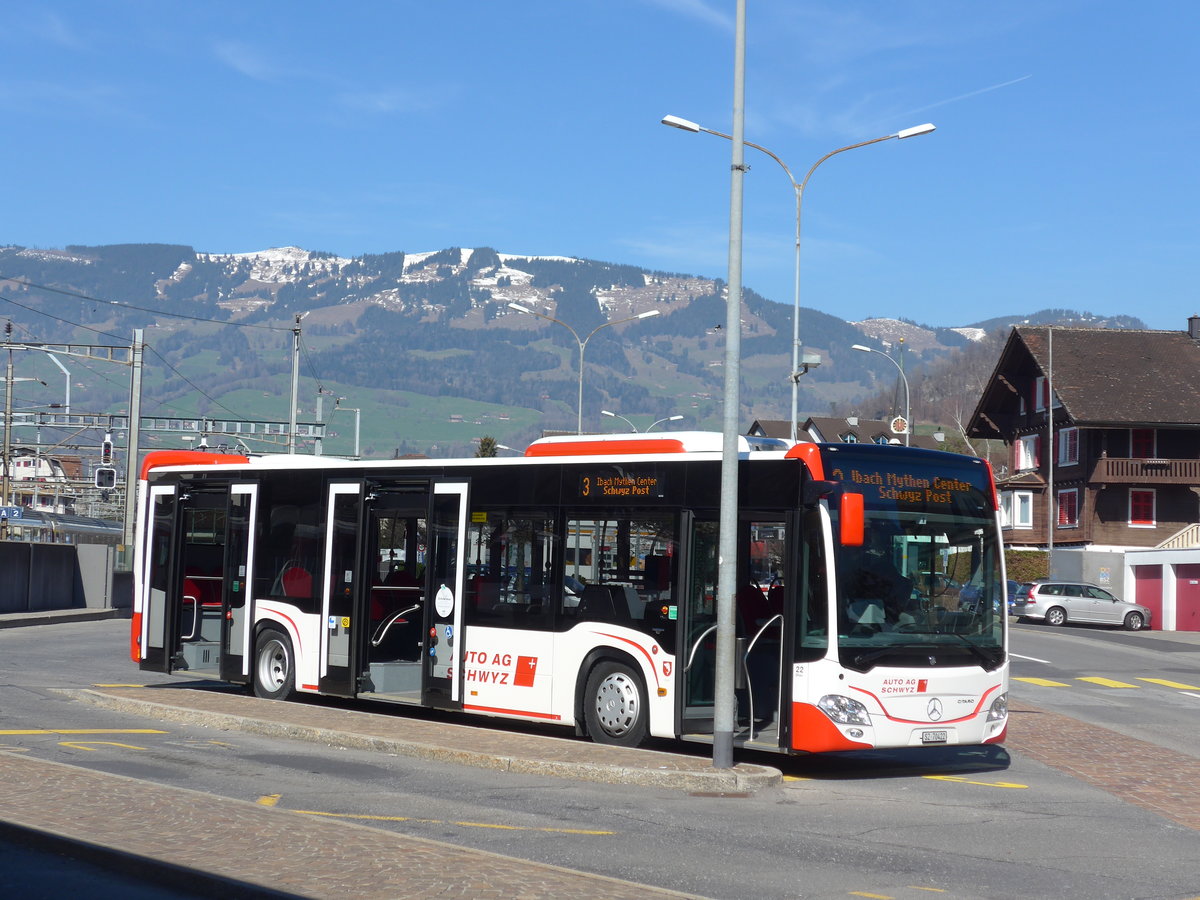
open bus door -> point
(340, 603)
(445, 589)
(195, 615)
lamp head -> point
(853, 347)
(519, 308)
(681, 124)
(916, 130)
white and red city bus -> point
(576, 585)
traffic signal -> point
(106, 477)
(106, 452)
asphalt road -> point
(967, 823)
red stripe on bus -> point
(970, 715)
(606, 448)
(188, 458)
(649, 658)
(511, 712)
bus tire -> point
(615, 705)
(274, 666)
(1056, 615)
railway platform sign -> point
(10, 512)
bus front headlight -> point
(844, 710)
(999, 709)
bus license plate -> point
(933, 737)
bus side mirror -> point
(851, 519)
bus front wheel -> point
(615, 705)
(273, 670)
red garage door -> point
(1187, 598)
(1148, 592)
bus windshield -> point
(926, 586)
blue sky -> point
(1063, 172)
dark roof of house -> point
(1102, 377)
(831, 429)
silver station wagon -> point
(1059, 602)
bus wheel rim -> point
(616, 704)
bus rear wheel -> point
(274, 676)
(615, 706)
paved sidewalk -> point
(205, 845)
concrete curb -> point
(58, 616)
(743, 777)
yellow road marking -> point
(369, 818)
(1043, 682)
(84, 731)
(1171, 684)
(917, 887)
(1106, 682)
(796, 778)
(79, 745)
(118, 685)
(268, 800)
(872, 896)
(960, 780)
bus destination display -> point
(612, 484)
(907, 488)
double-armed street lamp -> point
(800, 365)
(605, 412)
(582, 342)
(900, 369)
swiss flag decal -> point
(526, 669)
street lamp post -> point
(667, 419)
(613, 415)
(799, 366)
(903, 377)
(582, 343)
(337, 405)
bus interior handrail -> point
(382, 630)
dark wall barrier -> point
(14, 577)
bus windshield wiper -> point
(978, 652)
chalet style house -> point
(1121, 468)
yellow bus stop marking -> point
(1106, 682)
(82, 745)
(371, 818)
(1042, 682)
(1171, 684)
(960, 780)
(83, 731)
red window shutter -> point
(1037, 451)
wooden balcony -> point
(1145, 471)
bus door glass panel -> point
(395, 552)
(812, 599)
(445, 584)
(288, 556)
(200, 614)
(340, 578)
(157, 613)
(762, 555)
(698, 630)
(239, 554)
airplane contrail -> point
(994, 87)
